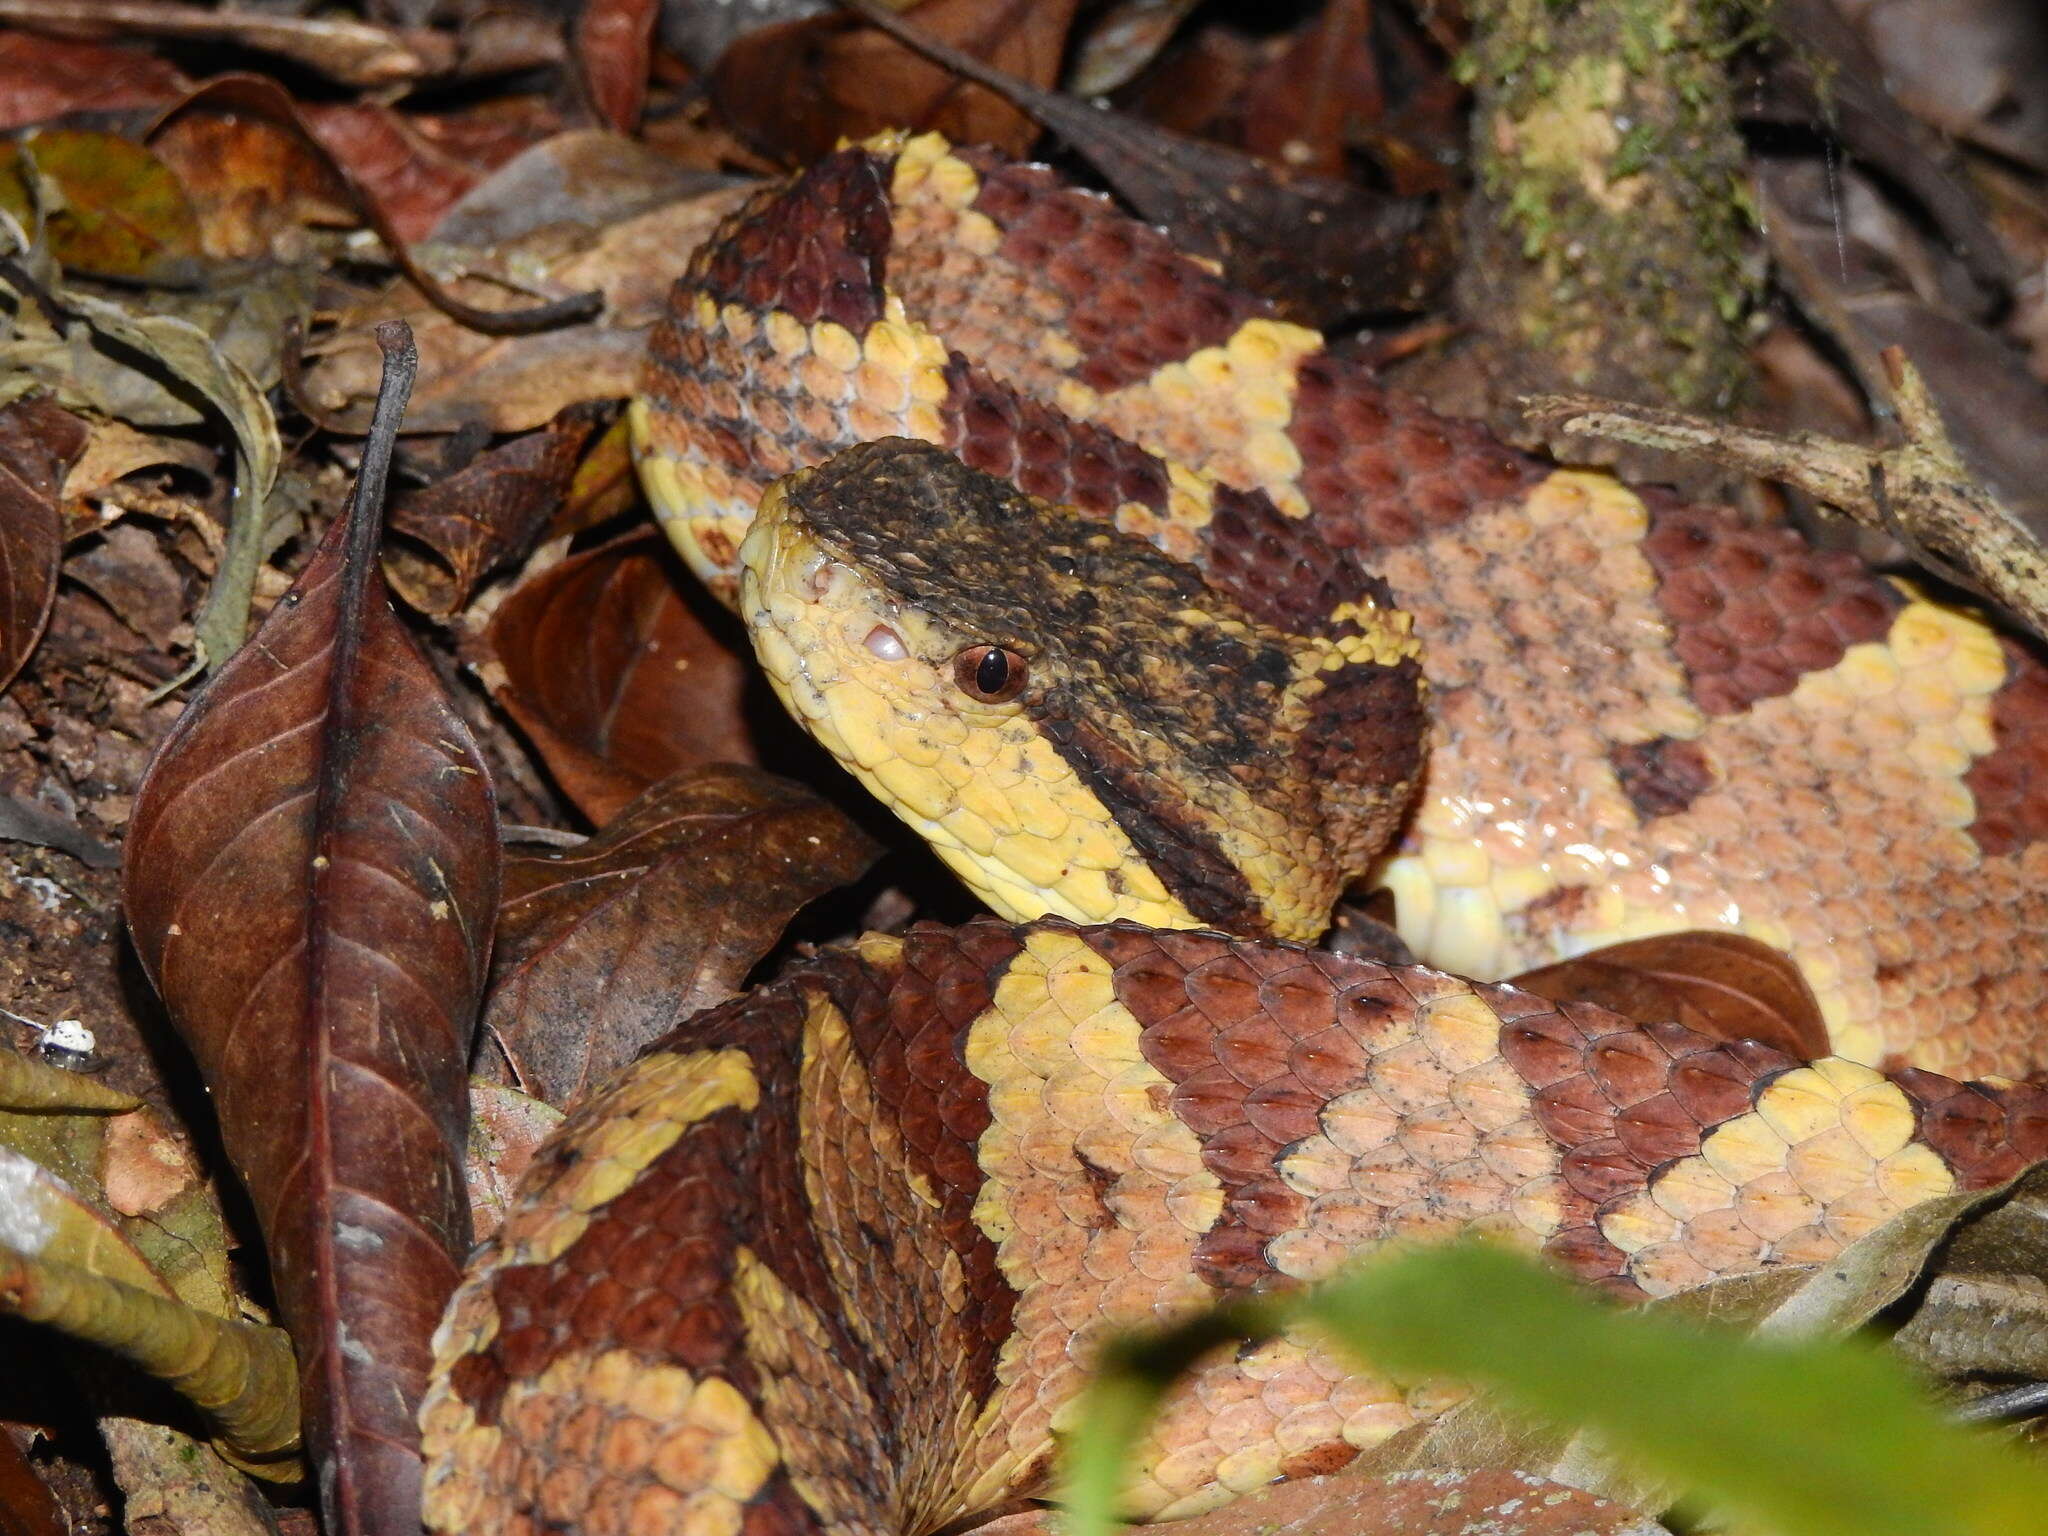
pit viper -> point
(1165, 625)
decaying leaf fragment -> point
(488, 512)
(312, 872)
(606, 947)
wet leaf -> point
(488, 513)
(800, 87)
(616, 678)
(38, 442)
(605, 947)
(109, 206)
(1725, 985)
(312, 870)
(1321, 250)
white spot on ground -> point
(25, 1222)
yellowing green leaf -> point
(110, 206)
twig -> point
(1920, 490)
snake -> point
(1165, 625)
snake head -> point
(1077, 723)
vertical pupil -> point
(993, 672)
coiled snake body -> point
(833, 1256)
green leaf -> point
(1798, 1437)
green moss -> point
(1605, 145)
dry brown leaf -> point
(46, 77)
(608, 946)
(516, 383)
(798, 88)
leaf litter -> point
(164, 244)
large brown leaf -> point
(312, 869)
(1721, 984)
(614, 677)
(38, 442)
(607, 946)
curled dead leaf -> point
(617, 677)
(1725, 985)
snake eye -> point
(990, 673)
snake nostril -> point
(884, 642)
(818, 576)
